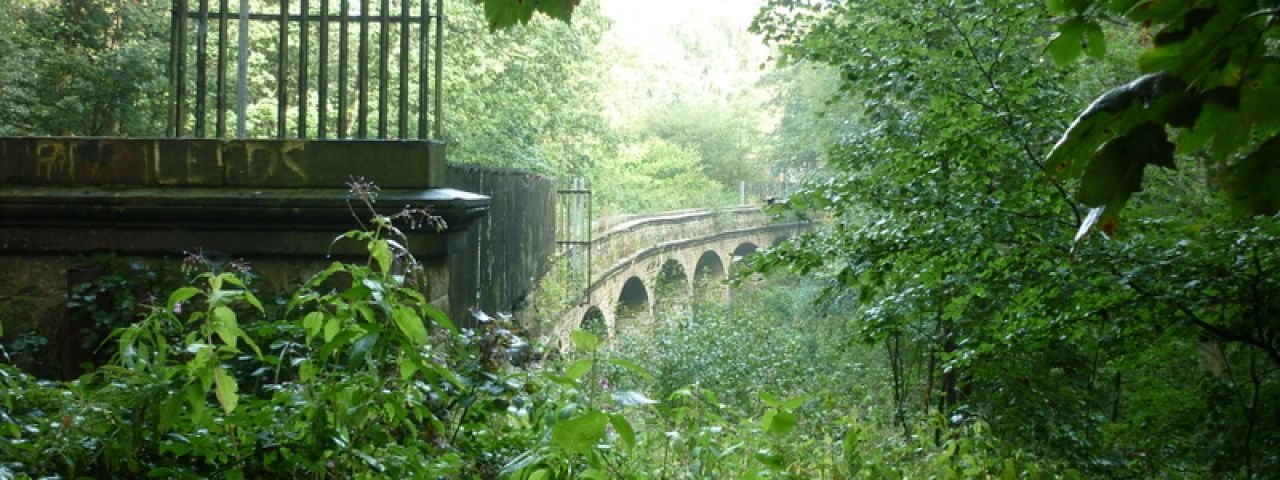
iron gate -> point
(396, 69)
(573, 233)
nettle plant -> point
(359, 378)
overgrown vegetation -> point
(974, 305)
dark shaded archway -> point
(670, 288)
(633, 303)
(710, 269)
(779, 241)
(593, 321)
(743, 249)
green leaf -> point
(578, 368)
(1260, 94)
(1064, 46)
(381, 253)
(558, 9)
(1095, 41)
(506, 13)
(312, 323)
(440, 318)
(779, 422)
(540, 474)
(631, 366)
(181, 295)
(224, 324)
(1253, 184)
(624, 430)
(579, 434)
(1147, 99)
(224, 387)
(331, 328)
(584, 340)
(411, 324)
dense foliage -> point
(1146, 353)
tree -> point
(953, 231)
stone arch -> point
(780, 240)
(709, 269)
(595, 322)
(742, 250)
(670, 286)
(633, 303)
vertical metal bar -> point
(322, 116)
(282, 72)
(384, 66)
(202, 67)
(220, 130)
(439, 80)
(180, 93)
(172, 128)
(304, 44)
(423, 65)
(362, 73)
(342, 68)
(242, 70)
(404, 69)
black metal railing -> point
(397, 50)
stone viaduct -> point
(653, 261)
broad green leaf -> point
(1116, 169)
(579, 434)
(540, 474)
(440, 318)
(578, 368)
(1065, 46)
(1253, 185)
(1144, 100)
(381, 253)
(584, 340)
(181, 295)
(312, 323)
(224, 324)
(1095, 41)
(624, 430)
(410, 324)
(631, 366)
(224, 387)
(1260, 94)
(795, 402)
(331, 328)
(779, 422)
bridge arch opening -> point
(670, 288)
(633, 304)
(780, 241)
(709, 269)
(744, 249)
(593, 321)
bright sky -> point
(637, 21)
(649, 38)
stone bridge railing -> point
(624, 236)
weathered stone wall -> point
(276, 203)
(509, 249)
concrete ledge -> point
(296, 221)
(219, 163)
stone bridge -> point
(647, 263)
